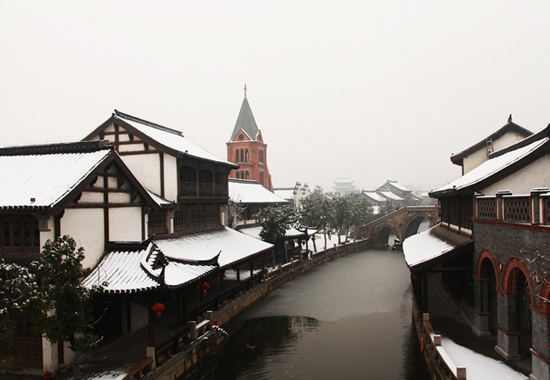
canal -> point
(348, 319)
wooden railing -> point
(189, 189)
(430, 344)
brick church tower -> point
(247, 149)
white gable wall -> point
(85, 226)
(480, 156)
(536, 174)
(146, 168)
(170, 178)
(125, 224)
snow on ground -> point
(479, 366)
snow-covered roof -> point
(121, 272)
(390, 195)
(169, 138)
(431, 244)
(251, 192)
(374, 196)
(290, 233)
(160, 200)
(398, 186)
(131, 271)
(37, 181)
(230, 244)
(509, 127)
(346, 181)
(491, 167)
(284, 193)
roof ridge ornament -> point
(510, 118)
(245, 90)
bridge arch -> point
(406, 218)
(413, 225)
(383, 234)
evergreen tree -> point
(18, 294)
(316, 211)
(67, 313)
(275, 220)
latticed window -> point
(487, 208)
(19, 234)
(188, 181)
(157, 223)
(180, 220)
(212, 214)
(196, 216)
(517, 210)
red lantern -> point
(313, 238)
(219, 274)
(206, 286)
(158, 308)
(235, 267)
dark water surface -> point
(348, 319)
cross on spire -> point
(245, 90)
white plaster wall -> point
(170, 178)
(91, 197)
(85, 226)
(536, 174)
(146, 168)
(125, 224)
(47, 230)
(139, 316)
(480, 156)
(120, 197)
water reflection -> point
(359, 326)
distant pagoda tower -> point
(247, 149)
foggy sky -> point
(371, 90)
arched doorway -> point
(517, 321)
(523, 313)
(488, 288)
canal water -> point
(348, 319)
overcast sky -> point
(371, 90)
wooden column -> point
(151, 326)
(128, 316)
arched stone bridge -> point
(403, 222)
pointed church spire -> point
(245, 121)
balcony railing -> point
(221, 189)
(189, 189)
(533, 208)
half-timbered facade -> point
(79, 189)
(189, 182)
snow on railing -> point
(430, 344)
(533, 208)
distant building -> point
(344, 186)
(294, 195)
(247, 149)
(399, 194)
